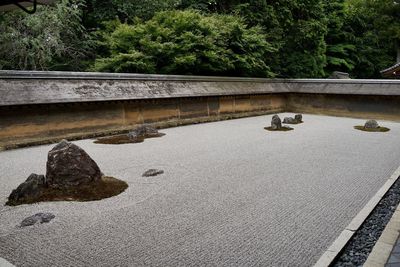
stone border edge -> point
(381, 252)
(341, 241)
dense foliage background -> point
(259, 38)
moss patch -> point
(379, 129)
(118, 140)
(283, 129)
(104, 188)
(124, 139)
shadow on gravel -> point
(282, 129)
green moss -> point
(283, 129)
(118, 140)
(104, 188)
(379, 129)
(124, 139)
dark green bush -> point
(187, 42)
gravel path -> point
(232, 194)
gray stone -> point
(276, 122)
(37, 218)
(290, 120)
(69, 165)
(31, 188)
(152, 172)
(144, 131)
(298, 117)
(371, 124)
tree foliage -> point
(372, 27)
(282, 38)
(188, 42)
(52, 38)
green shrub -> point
(187, 42)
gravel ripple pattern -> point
(232, 194)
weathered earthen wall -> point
(38, 107)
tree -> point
(371, 27)
(296, 28)
(339, 45)
(98, 11)
(52, 38)
(187, 42)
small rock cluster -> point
(70, 173)
(276, 123)
(137, 135)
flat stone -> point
(37, 218)
(152, 172)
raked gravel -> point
(232, 194)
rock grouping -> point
(137, 135)
(71, 174)
(276, 124)
(372, 126)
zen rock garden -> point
(372, 126)
(276, 123)
(135, 136)
(71, 175)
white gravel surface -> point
(232, 194)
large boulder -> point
(371, 124)
(28, 190)
(276, 123)
(69, 165)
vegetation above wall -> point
(259, 38)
